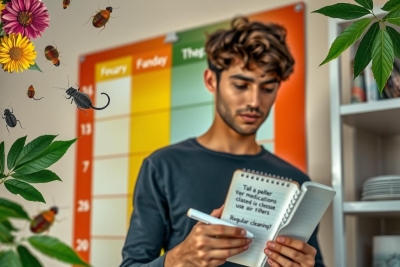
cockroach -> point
(44, 220)
(101, 18)
(66, 3)
(81, 99)
(51, 53)
(11, 120)
(31, 93)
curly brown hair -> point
(264, 45)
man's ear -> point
(210, 80)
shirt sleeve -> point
(149, 225)
(313, 241)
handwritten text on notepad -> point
(250, 199)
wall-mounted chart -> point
(158, 98)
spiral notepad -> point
(269, 205)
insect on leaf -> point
(43, 176)
(364, 52)
(382, 58)
(47, 158)
(391, 5)
(347, 38)
(54, 248)
(393, 17)
(395, 36)
(12, 209)
(26, 191)
(366, 3)
(10, 259)
(2, 158)
(343, 11)
(15, 149)
(34, 148)
(27, 258)
(5, 235)
(35, 67)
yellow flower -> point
(2, 6)
(16, 52)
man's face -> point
(244, 98)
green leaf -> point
(366, 3)
(12, 209)
(34, 148)
(43, 176)
(10, 259)
(25, 190)
(27, 258)
(7, 224)
(347, 38)
(35, 67)
(2, 158)
(391, 5)
(2, 33)
(15, 149)
(393, 17)
(364, 52)
(54, 248)
(47, 158)
(5, 235)
(382, 58)
(395, 36)
(343, 11)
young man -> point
(247, 64)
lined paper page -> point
(312, 206)
(257, 206)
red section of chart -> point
(83, 171)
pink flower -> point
(28, 17)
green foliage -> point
(379, 43)
(27, 165)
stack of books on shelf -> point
(385, 187)
(364, 87)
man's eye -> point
(241, 87)
(268, 90)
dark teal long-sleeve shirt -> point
(182, 176)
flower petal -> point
(9, 17)
(27, 4)
(11, 10)
(21, 5)
(15, 6)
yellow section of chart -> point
(113, 69)
(151, 91)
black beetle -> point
(11, 120)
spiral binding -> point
(291, 205)
(267, 177)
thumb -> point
(217, 212)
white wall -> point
(136, 20)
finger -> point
(297, 245)
(286, 255)
(227, 242)
(217, 212)
(219, 254)
(224, 231)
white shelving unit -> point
(365, 142)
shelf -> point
(387, 208)
(379, 117)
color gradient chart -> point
(158, 98)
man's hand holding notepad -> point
(269, 206)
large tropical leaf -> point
(347, 38)
(34, 148)
(54, 248)
(343, 11)
(24, 189)
(15, 149)
(43, 176)
(11, 209)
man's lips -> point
(249, 117)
